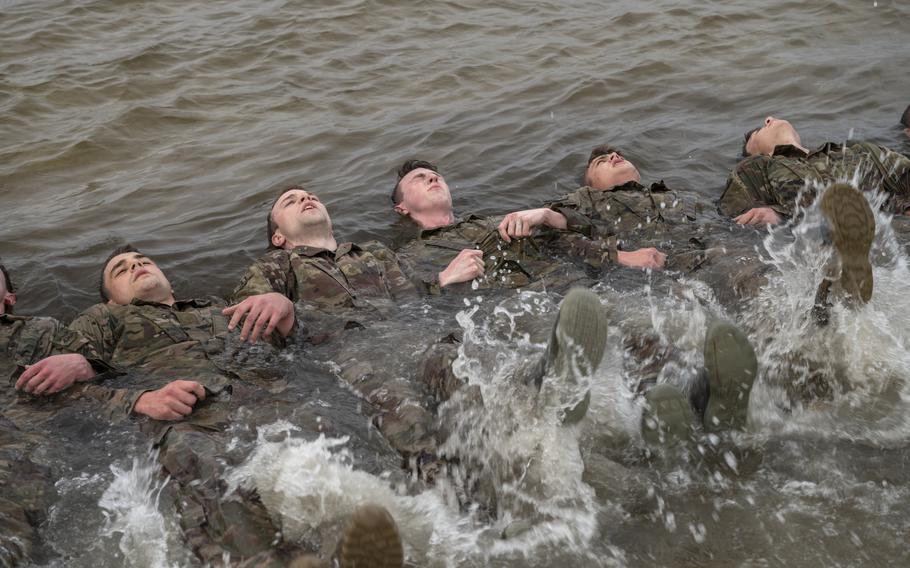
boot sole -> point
(852, 230)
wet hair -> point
(746, 138)
(905, 118)
(406, 168)
(598, 151)
(9, 285)
(270, 225)
(123, 249)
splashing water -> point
(846, 379)
(130, 506)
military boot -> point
(371, 540)
(667, 417)
(731, 368)
(851, 228)
(577, 344)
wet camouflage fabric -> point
(681, 224)
(24, 486)
(776, 181)
(166, 343)
(27, 340)
(359, 276)
(25, 491)
(518, 264)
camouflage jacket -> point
(508, 265)
(639, 217)
(160, 342)
(776, 181)
(27, 340)
(351, 276)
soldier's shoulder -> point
(274, 256)
(9, 319)
(374, 247)
(100, 310)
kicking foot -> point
(668, 417)
(577, 344)
(731, 368)
(851, 227)
(371, 540)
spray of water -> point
(131, 508)
(847, 378)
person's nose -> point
(769, 120)
(434, 178)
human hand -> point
(642, 258)
(759, 216)
(264, 313)
(468, 265)
(521, 223)
(171, 402)
(55, 373)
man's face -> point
(133, 275)
(610, 170)
(7, 298)
(296, 213)
(422, 190)
(774, 132)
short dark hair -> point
(406, 168)
(270, 225)
(905, 118)
(598, 151)
(122, 249)
(746, 138)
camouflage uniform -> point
(26, 487)
(165, 343)
(775, 181)
(348, 282)
(357, 276)
(681, 224)
(523, 263)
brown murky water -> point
(171, 125)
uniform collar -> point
(458, 221)
(655, 187)
(179, 305)
(341, 250)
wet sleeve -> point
(424, 281)
(396, 281)
(578, 219)
(96, 326)
(264, 276)
(597, 252)
(116, 404)
(895, 170)
(66, 340)
(748, 187)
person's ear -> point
(278, 239)
(10, 299)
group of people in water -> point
(309, 288)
